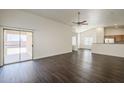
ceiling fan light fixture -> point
(80, 22)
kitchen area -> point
(113, 43)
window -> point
(12, 37)
(74, 40)
(88, 41)
(23, 38)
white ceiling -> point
(97, 17)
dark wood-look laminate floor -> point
(76, 67)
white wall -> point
(100, 35)
(114, 31)
(50, 37)
(97, 34)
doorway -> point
(17, 46)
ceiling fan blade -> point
(83, 22)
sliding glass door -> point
(26, 46)
(11, 46)
(17, 46)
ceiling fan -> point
(80, 22)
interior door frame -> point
(19, 45)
